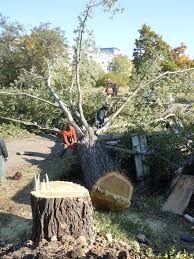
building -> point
(102, 56)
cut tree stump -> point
(112, 191)
(65, 208)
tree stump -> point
(65, 208)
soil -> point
(68, 247)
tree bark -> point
(63, 209)
(109, 188)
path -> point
(15, 209)
(42, 147)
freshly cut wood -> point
(143, 143)
(179, 198)
(64, 208)
(139, 145)
(112, 191)
(138, 159)
(108, 187)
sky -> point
(172, 19)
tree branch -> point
(127, 151)
(131, 152)
(62, 105)
(113, 116)
(28, 95)
(77, 64)
(27, 123)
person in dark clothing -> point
(3, 158)
(101, 114)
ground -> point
(15, 217)
(162, 230)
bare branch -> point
(163, 119)
(62, 106)
(28, 95)
(28, 123)
(77, 65)
(127, 151)
(130, 152)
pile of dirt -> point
(103, 247)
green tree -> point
(122, 67)
(90, 72)
(45, 44)
(22, 51)
(149, 47)
(10, 52)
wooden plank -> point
(143, 144)
(138, 159)
(179, 198)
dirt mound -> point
(103, 247)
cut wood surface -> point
(138, 159)
(179, 198)
(143, 143)
(65, 208)
(112, 191)
(108, 187)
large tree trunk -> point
(109, 189)
(63, 209)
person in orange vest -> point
(69, 138)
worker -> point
(69, 138)
(101, 114)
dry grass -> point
(15, 209)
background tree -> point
(180, 58)
(122, 67)
(45, 44)
(10, 50)
(19, 50)
(150, 46)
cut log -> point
(138, 159)
(65, 208)
(180, 196)
(112, 191)
(109, 189)
(143, 143)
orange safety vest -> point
(69, 135)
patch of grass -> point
(9, 131)
(163, 230)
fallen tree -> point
(108, 186)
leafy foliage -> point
(9, 130)
(90, 71)
(150, 46)
(122, 68)
(180, 58)
(21, 51)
